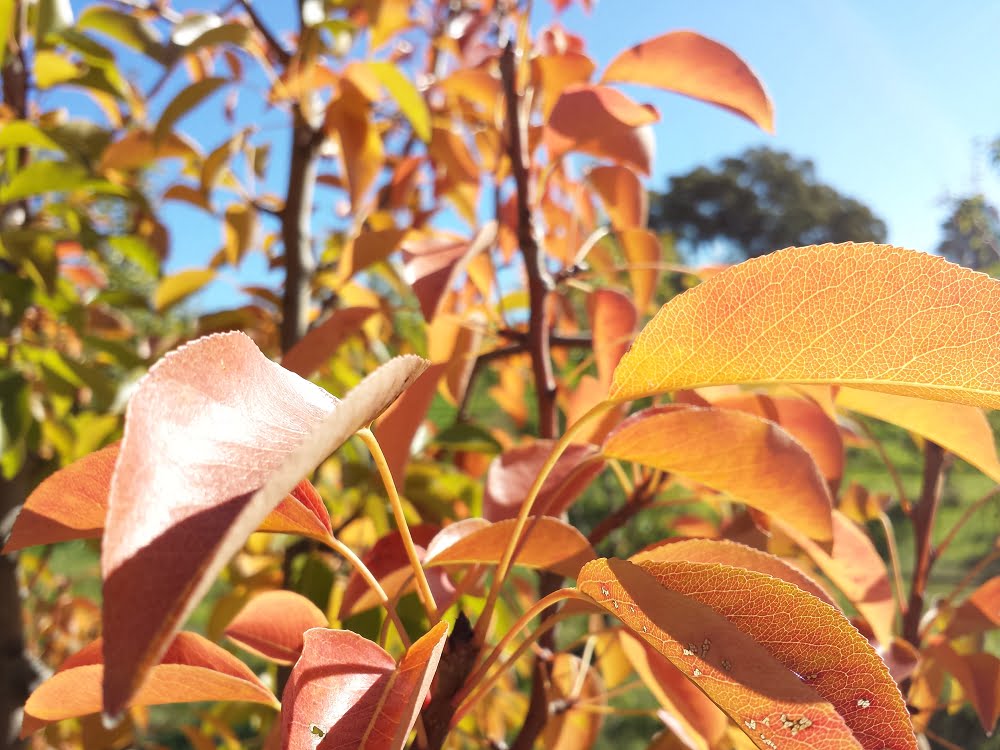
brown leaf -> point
(245, 431)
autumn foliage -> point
(369, 475)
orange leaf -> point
(70, 504)
(822, 653)
(430, 265)
(367, 249)
(691, 64)
(138, 148)
(870, 316)
(736, 669)
(731, 553)
(573, 728)
(624, 198)
(352, 692)
(73, 503)
(272, 625)
(752, 459)
(958, 428)
(245, 431)
(979, 612)
(642, 250)
(547, 544)
(979, 676)
(191, 669)
(612, 321)
(690, 713)
(389, 562)
(512, 473)
(319, 344)
(557, 72)
(603, 122)
(856, 568)
(804, 420)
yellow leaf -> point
(179, 286)
(410, 102)
(870, 316)
(963, 430)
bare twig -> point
(275, 46)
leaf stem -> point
(423, 589)
(966, 515)
(897, 480)
(522, 517)
(897, 577)
(358, 564)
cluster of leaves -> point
(507, 377)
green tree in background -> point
(757, 202)
(970, 235)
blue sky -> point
(894, 102)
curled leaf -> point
(215, 436)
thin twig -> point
(283, 55)
(966, 515)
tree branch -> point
(923, 528)
(283, 55)
(539, 280)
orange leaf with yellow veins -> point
(958, 428)
(870, 316)
(738, 555)
(856, 568)
(351, 692)
(753, 460)
(696, 66)
(769, 700)
(191, 669)
(272, 625)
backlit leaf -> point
(803, 419)
(186, 99)
(547, 544)
(323, 340)
(874, 317)
(958, 428)
(42, 176)
(246, 431)
(856, 568)
(409, 100)
(753, 460)
(70, 504)
(138, 148)
(731, 553)
(807, 675)
(643, 251)
(178, 287)
(736, 670)
(603, 122)
(623, 196)
(979, 612)
(191, 669)
(239, 225)
(353, 693)
(272, 625)
(691, 64)
(368, 248)
(397, 427)
(127, 28)
(612, 322)
(979, 676)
